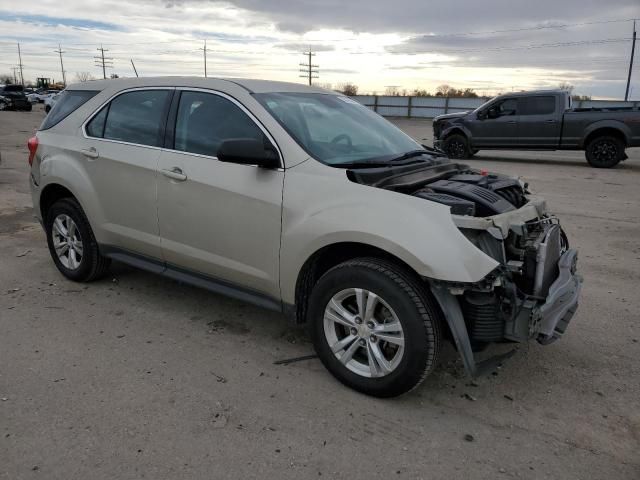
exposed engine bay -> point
(534, 291)
(465, 190)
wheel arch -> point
(51, 193)
(327, 257)
(608, 128)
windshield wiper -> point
(410, 154)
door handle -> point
(174, 173)
(90, 152)
(550, 121)
(511, 122)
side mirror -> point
(248, 151)
(482, 115)
(492, 113)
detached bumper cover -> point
(553, 317)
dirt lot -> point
(136, 376)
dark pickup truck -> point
(541, 120)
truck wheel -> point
(604, 152)
(456, 146)
(28, 108)
(72, 244)
(374, 327)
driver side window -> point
(504, 108)
(206, 120)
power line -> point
(64, 77)
(102, 61)
(134, 67)
(310, 71)
(204, 51)
(20, 65)
(633, 48)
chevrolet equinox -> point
(303, 201)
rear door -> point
(498, 126)
(121, 150)
(540, 121)
(219, 219)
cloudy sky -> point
(491, 45)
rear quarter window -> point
(67, 102)
(537, 105)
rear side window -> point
(206, 120)
(537, 105)
(133, 117)
(67, 102)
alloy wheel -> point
(67, 241)
(363, 332)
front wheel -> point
(604, 152)
(374, 327)
(456, 146)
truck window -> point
(537, 105)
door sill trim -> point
(189, 277)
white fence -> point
(429, 107)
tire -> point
(398, 299)
(28, 107)
(82, 262)
(605, 151)
(456, 146)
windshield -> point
(335, 129)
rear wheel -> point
(604, 152)
(72, 245)
(456, 146)
(374, 327)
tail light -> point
(32, 144)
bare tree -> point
(418, 92)
(392, 91)
(84, 76)
(566, 86)
(6, 79)
(443, 90)
(348, 88)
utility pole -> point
(20, 65)
(310, 71)
(134, 67)
(15, 78)
(633, 48)
(102, 61)
(204, 50)
(64, 77)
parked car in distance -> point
(540, 120)
(12, 97)
(41, 95)
(50, 101)
(303, 201)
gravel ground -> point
(137, 376)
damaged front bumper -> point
(533, 294)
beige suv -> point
(303, 201)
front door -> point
(219, 219)
(497, 126)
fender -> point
(56, 168)
(609, 124)
(321, 207)
(461, 127)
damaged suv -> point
(305, 202)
